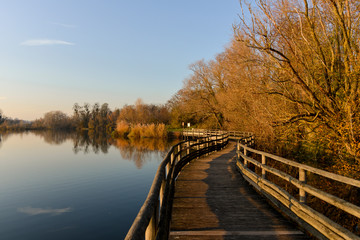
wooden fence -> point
(296, 207)
(195, 132)
(153, 219)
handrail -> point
(196, 132)
(153, 219)
(297, 209)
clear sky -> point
(54, 53)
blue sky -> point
(56, 53)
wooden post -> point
(168, 169)
(215, 142)
(179, 151)
(151, 229)
(221, 141)
(197, 148)
(245, 161)
(263, 161)
(238, 149)
(207, 146)
(188, 148)
(172, 158)
(162, 192)
(302, 178)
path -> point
(213, 201)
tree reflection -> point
(92, 141)
(54, 137)
(137, 150)
(140, 150)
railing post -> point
(221, 141)
(167, 169)
(198, 148)
(207, 146)
(302, 178)
(179, 151)
(263, 161)
(162, 191)
(172, 157)
(151, 229)
(215, 142)
(188, 148)
(238, 150)
(245, 161)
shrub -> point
(147, 131)
(136, 131)
(122, 128)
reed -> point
(122, 129)
(152, 130)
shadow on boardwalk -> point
(213, 201)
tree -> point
(82, 115)
(311, 52)
(144, 113)
(56, 120)
(199, 96)
(2, 119)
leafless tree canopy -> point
(291, 71)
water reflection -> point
(91, 142)
(54, 186)
(140, 150)
(3, 138)
(49, 211)
(54, 137)
(137, 150)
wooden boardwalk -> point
(213, 201)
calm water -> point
(65, 186)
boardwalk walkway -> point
(213, 201)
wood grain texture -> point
(213, 201)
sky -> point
(54, 53)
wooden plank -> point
(234, 233)
(212, 197)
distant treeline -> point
(99, 118)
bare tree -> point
(56, 120)
(311, 51)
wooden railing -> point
(153, 219)
(296, 207)
(195, 132)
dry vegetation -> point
(139, 149)
(151, 130)
(142, 121)
(290, 74)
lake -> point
(56, 185)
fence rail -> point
(153, 219)
(296, 208)
(196, 132)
